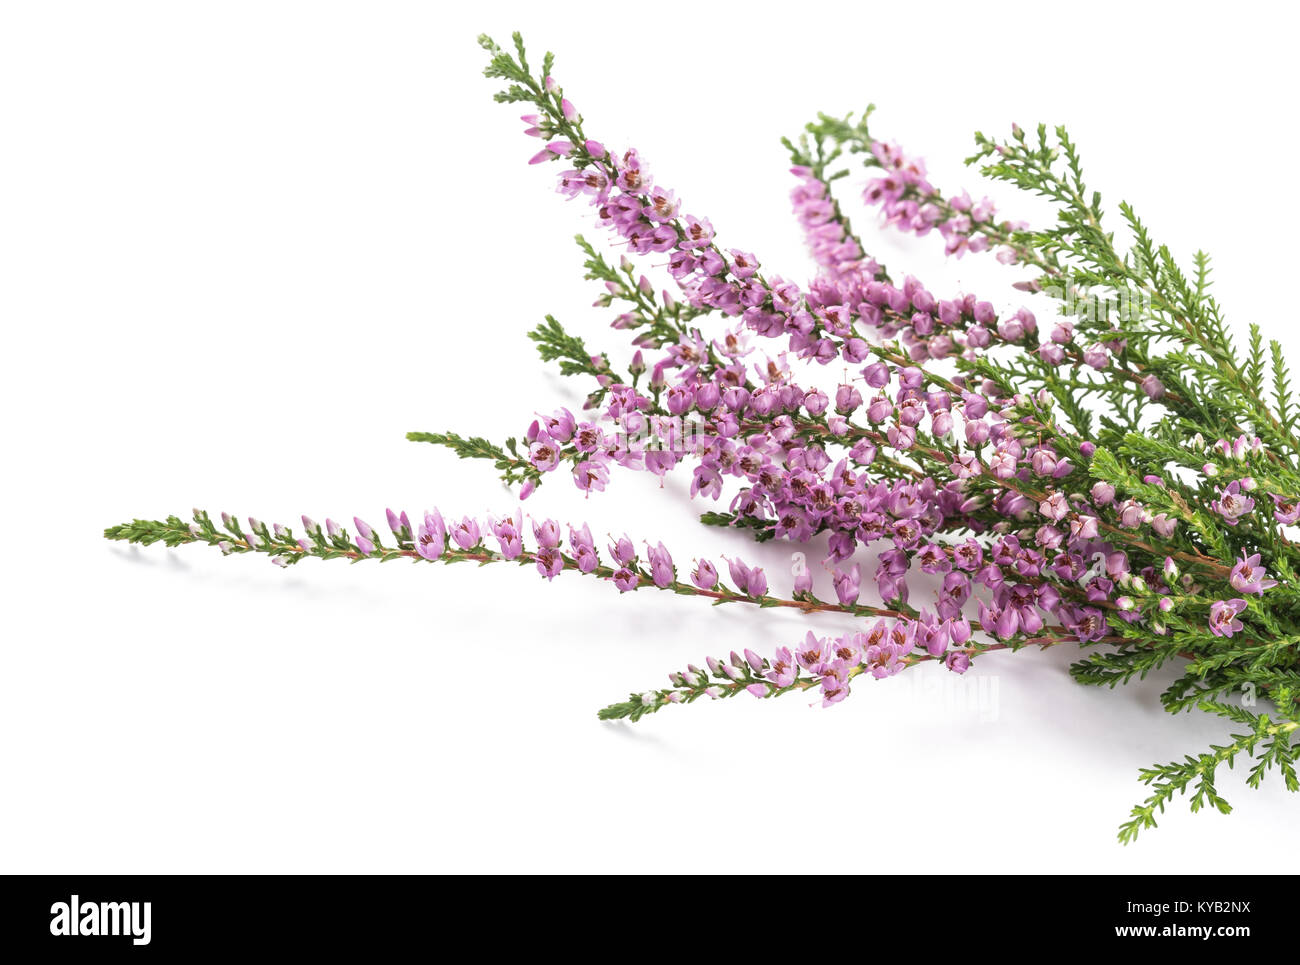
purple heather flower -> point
(883, 659)
(1097, 356)
(1103, 493)
(1087, 623)
(974, 406)
(879, 409)
(1043, 462)
(559, 426)
(740, 573)
(1249, 577)
(941, 423)
(509, 534)
(1083, 527)
(1285, 511)
(953, 594)
(1223, 617)
(1117, 564)
(1049, 537)
(431, 539)
(1052, 353)
(847, 399)
(705, 575)
(1131, 514)
(901, 437)
(1098, 589)
(547, 533)
(932, 558)
(835, 683)
(977, 431)
(544, 454)
(466, 533)
(583, 548)
(932, 637)
(848, 648)
(549, 562)
(1163, 525)
(743, 264)
(958, 661)
(1003, 464)
(661, 565)
(815, 402)
(968, 556)
(813, 653)
(959, 631)
(782, 669)
(1232, 504)
(365, 546)
(848, 585)
(1055, 507)
(626, 579)
(876, 375)
(698, 232)
(1011, 329)
(622, 551)
(911, 412)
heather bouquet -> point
(1092, 462)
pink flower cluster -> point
(911, 203)
(826, 663)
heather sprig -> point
(1120, 477)
(435, 539)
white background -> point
(247, 246)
